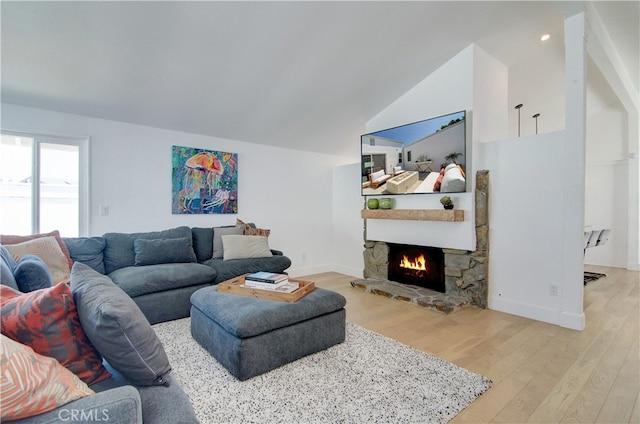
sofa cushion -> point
(15, 239)
(47, 321)
(162, 404)
(232, 268)
(119, 250)
(32, 274)
(244, 247)
(140, 280)
(117, 328)
(6, 276)
(163, 251)
(7, 258)
(7, 265)
(47, 249)
(202, 243)
(375, 176)
(453, 181)
(218, 232)
(87, 250)
(31, 384)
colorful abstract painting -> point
(204, 181)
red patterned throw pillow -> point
(438, 183)
(252, 231)
(47, 321)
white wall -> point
(448, 89)
(286, 190)
(348, 240)
(526, 224)
(606, 207)
(606, 185)
(490, 96)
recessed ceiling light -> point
(545, 37)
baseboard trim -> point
(551, 316)
(300, 271)
(352, 272)
(633, 266)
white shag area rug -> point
(367, 379)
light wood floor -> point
(541, 373)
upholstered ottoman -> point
(250, 336)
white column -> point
(574, 172)
(633, 181)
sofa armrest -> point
(118, 405)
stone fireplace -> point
(465, 273)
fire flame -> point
(419, 263)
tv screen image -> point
(427, 156)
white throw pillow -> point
(243, 247)
(453, 181)
(377, 174)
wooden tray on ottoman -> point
(236, 286)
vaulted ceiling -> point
(303, 75)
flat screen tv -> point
(418, 158)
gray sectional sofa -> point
(161, 270)
(158, 271)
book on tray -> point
(267, 277)
(283, 287)
(261, 285)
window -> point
(409, 156)
(43, 184)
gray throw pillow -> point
(87, 250)
(117, 328)
(218, 232)
(202, 243)
(163, 251)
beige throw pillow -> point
(47, 249)
(243, 247)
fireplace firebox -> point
(417, 265)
